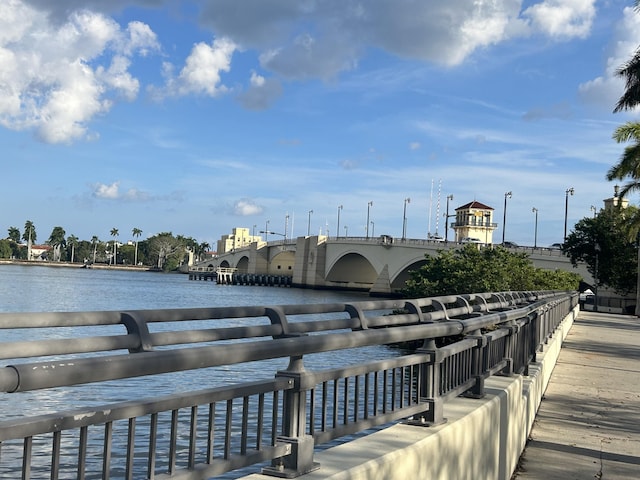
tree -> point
(136, 234)
(56, 240)
(469, 269)
(94, 242)
(14, 234)
(29, 236)
(603, 243)
(72, 241)
(5, 248)
(114, 234)
(167, 250)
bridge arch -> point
(224, 264)
(243, 264)
(355, 267)
(399, 279)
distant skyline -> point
(196, 117)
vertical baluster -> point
(82, 452)
(193, 434)
(227, 429)
(131, 441)
(173, 442)
(274, 418)
(402, 371)
(312, 411)
(27, 448)
(366, 395)
(345, 400)
(106, 453)
(211, 425)
(245, 425)
(335, 403)
(394, 386)
(376, 394)
(356, 398)
(325, 386)
(385, 390)
(260, 426)
(55, 454)
(153, 439)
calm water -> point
(45, 289)
(41, 289)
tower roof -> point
(474, 204)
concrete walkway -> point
(588, 424)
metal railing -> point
(208, 432)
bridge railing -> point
(280, 420)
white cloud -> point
(56, 77)
(201, 73)
(607, 88)
(245, 207)
(101, 190)
(562, 18)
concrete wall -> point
(482, 439)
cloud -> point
(415, 146)
(201, 74)
(261, 93)
(246, 207)
(56, 77)
(562, 18)
(606, 89)
(112, 192)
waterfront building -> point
(239, 238)
(474, 223)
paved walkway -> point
(588, 425)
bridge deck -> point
(588, 425)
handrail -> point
(501, 333)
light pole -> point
(266, 231)
(504, 218)
(566, 210)
(346, 231)
(254, 230)
(338, 227)
(368, 211)
(446, 219)
(593, 209)
(535, 231)
(404, 218)
(286, 226)
(373, 229)
(487, 217)
(595, 296)
(309, 224)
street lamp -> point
(266, 231)
(593, 209)
(504, 218)
(535, 234)
(373, 229)
(404, 218)
(286, 225)
(309, 224)
(254, 230)
(368, 210)
(446, 220)
(338, 227)
(595, 296)
(346, 231)
(566, 210)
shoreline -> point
(96, 266)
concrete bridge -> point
(379, 265)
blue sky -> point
(197, 117)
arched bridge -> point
(376, 265)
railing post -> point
(430, 387)
(480, 365)
(294, 414)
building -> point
(474, 223)
(239, 238)
(615, 200)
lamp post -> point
(535, 230)
(346, 230)
(309, 224)
(266, 231)
(566, 210)
(373, 229)
(369, 204)
(593, 209)
(286, 226)
(404, 218)
(446, 219)
(338, 227)
(504, 217)
(254, 230)
(596, 247)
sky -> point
(196, 117)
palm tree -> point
(136, 233)
(94, 242)
(631, 72)
(14, 234)
(56, 240)
(72, 241)
(114, 234)
(29, 236)
(628, 167)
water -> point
(46, 289)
